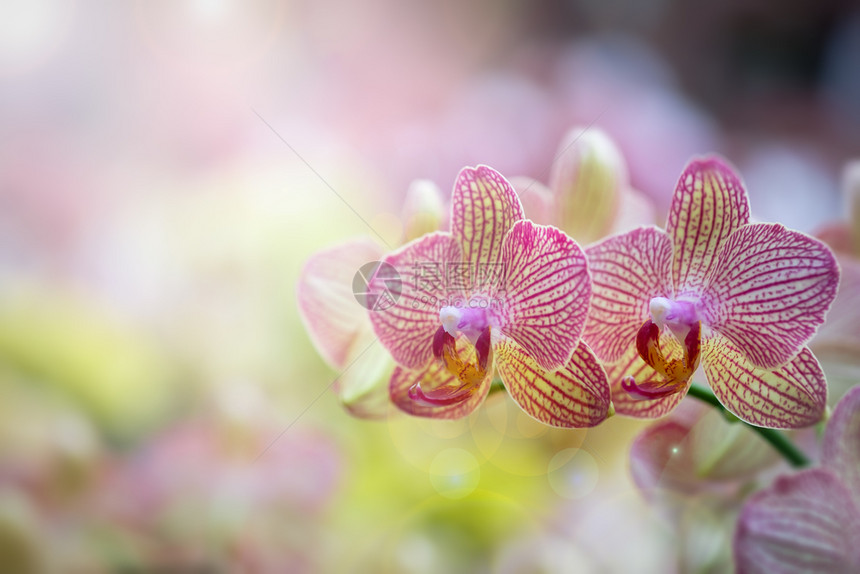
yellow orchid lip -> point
(676, 372)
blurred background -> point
(166, 167)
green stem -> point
(777, 439)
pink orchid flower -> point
(498, 291)
(809, 521)
(740, 298)
(589, 194)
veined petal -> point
(793, 396)
(537, 200)
(709, 204)
(433, 379)
(586, 178)
(631, 364)
(627, 271)
(327, 305)
(841, 448)
(575, 396)
(805, 522)
(406, 328)
(770, 290)
(484, 207)
(545, 294)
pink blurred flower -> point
(496, 286)
(741, 298)
(837, 343)
(809, 521)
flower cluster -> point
(631, 317)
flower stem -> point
(777, 439)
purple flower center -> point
(678, 316)
(471, 321)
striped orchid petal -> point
(793, 396)
(575, 396)
(537, 200)
(627, 271)
(433, 379)
(327, 305)
(546, 292)
(709, 204)
(484, 207)
(587, 177)
(841, 448)
(632, 365)
(805, 522)
(407, 327)
(770, 290)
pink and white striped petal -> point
(406, 328)
(805, 522)
(631, 364)
(537, 200)
(627, 271)
(709, 204)
(793, 396)
(841, 447)
(545, 294)
(770, 290)
(433, 377)
(484, 207)
(328, 308)
(575, 396)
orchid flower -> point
(809, 521)
(589, 195)
(339, 327)
(740, 298)
(497, 292)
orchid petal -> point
(709, 203)
(635, 209)
(841, 448)
(327, 305)
(537, 200)
(805, 522)
(586, 178)
(793, 396)
(435, 380)
(632, 365)
(837, 342)
(575, 396)
(770, 290)
(407, 327)
(484, 207)
(546, 292)
(627, 271)
(363, 387)
(661, 456)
